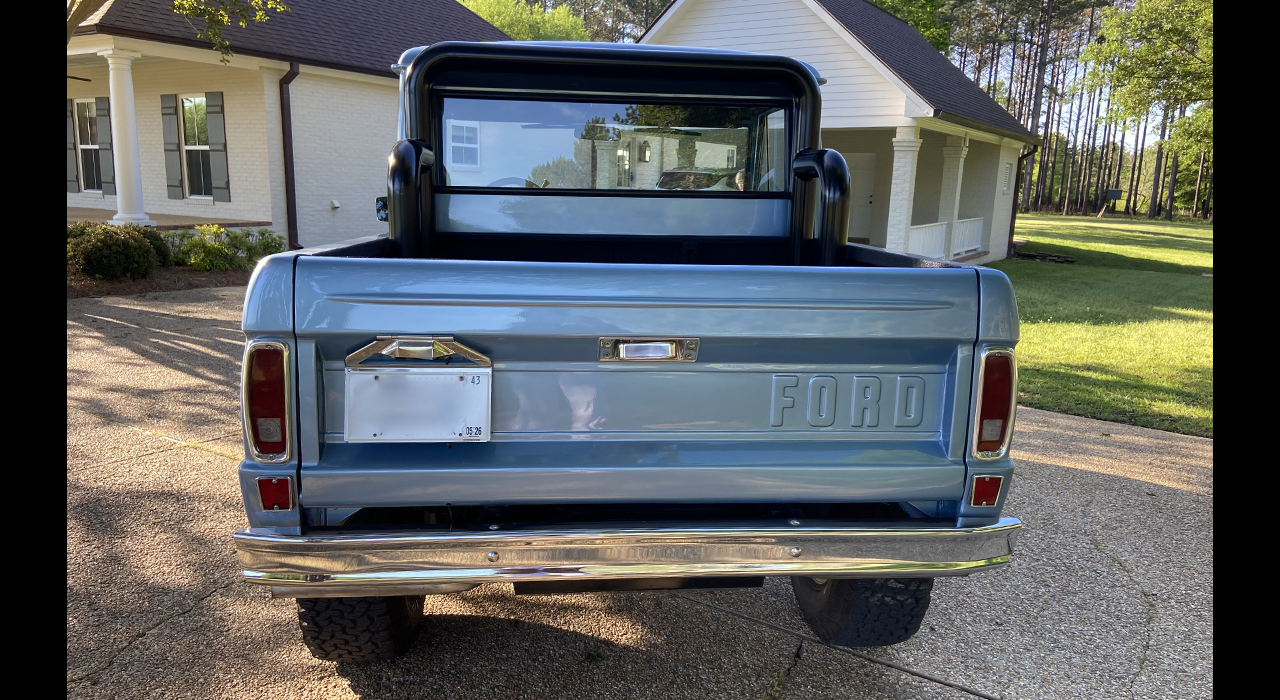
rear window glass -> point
(603, 146)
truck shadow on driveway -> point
(489, 643)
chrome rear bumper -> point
(442, 562)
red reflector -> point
(266, 398)
(275, 492)
(986, 490)
(995, 405)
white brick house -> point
(156, 124)
(933, 159)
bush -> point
(112, 252)
(177, 243)
(212, 248)
(211, 253)
(163, 255)
(80, 228)
(264, 242)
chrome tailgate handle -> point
(416, 348)
(649, 349)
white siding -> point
(247, 140)
(788, 28)
(343, 131)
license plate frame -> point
(418, 404)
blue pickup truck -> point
(616, 339)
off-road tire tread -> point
(354, 630)
(863, 612)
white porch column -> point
(952, 175)
(124, 139)
(902, 188)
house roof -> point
(365, 37)
(921, 66)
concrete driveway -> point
(1109, 595)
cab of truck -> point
(616, 339)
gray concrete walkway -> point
(1109, 595)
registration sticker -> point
(418, 404)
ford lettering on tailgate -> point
(867, 401)
(742, 403)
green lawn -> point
(1126, 333)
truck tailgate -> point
(810, 384)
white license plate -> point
(418, 404)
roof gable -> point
(366, 36)
(931, 84)
(929, 73)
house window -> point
(195, 147)
(1008, 176)
(464, 145)
(87, 144)
(731, 157)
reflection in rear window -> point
(602, 146)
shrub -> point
(212, 248)
(164, 256)
(80, 228)
(210, 252)
(177, 243)
(265, 242)
(112, 252)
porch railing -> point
(967, 237)
(928, 240)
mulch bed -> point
(165, 279)
(1042, 257)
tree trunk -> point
(1208, 195)
(1042, 62)
(1135, 169)
(1044, 179)
(1119, 166)
(1171, 190)
(1104, 157)
(1086, 173)
(1195, 205)
(1157, 173)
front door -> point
(862, 176)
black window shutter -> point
(73, 173)
(217, 147)
(172, 127)
(106, 162)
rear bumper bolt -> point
(492, 556)
(794, 551)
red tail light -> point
(266, 404)
(997, 384)
(276, 492)
(986, 490)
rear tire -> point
(863, 612)
(353, 630)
